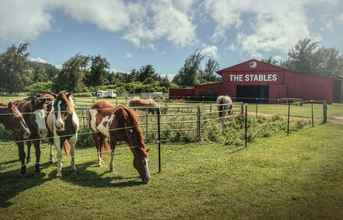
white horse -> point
(64, 124)
(224, 104)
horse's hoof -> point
(37, 168)
(23, 170)
(74, 168)
(145, 180)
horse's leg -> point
(28, 156)
(113, 146)
(102, 146)
(38, 153)
(21, 152)
(72, 142)
(96, 138)
(59, 145)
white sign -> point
(261, 77)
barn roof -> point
(251, 65)
(254, 64)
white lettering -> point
(258, 77)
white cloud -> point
(23, 20)
(277, 25)
(142, 23)
(210, 51)
(38, 60)
(340, 18)
(128, 55)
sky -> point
(133, 33)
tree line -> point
(83, 73)
(80, 73)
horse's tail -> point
(133, 122)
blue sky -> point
(164, 32)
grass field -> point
(294, 177)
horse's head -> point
(63, 107)
(140, 162)
(17, 121)
(40, 108)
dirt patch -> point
(336, 120)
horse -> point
(13, 120)
(63, 124)
(96, 113)
(42, 101)
(34, 113)
(121, 124)
(224, 104)
(145, 104)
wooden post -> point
(256, 110)
(211, 108)
(288, 116)
(146, 124)
(325, 112)
(246, 125)
(198, 123)
(159, 139)
(116, 100)
(312, 116)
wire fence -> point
(191, 119)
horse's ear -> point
(68, 94)
(11, 105)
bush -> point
(5, 134)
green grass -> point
(294, 177)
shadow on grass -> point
(85, 177)
(12, 183)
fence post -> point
(256, 110)
(288, 116)
(312, 116)
(116, 100)
(198, 123)
(159, 139)
(211, 108)
(325, 112)
(146, 124)
(246, 125)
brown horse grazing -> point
(95, 115)
(122, 125)
(63, 123)
(13, 120)
(144, 104)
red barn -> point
(255, 79)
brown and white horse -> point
(63, 123)
(96, 113)
(13, 120)
(121, 124)
(143, 104)
(34, 113)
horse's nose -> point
(43, 133)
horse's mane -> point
(131, 117)
(69, 101)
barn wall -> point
(286, 85)
(180, 93)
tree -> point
(302, 56)
(309, 57)
(147, 72)
(188, 75)
(209, 74)
(14, 71)
(73, 73)
(99, 71)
